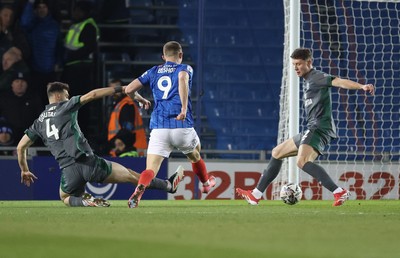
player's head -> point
(172, 51)
(302, 61)
(57, 92)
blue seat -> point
(150, 55)
(144, 35)
(215, 20)
(140, 16)
(167, 16)
(221, 37)
(111, 56)
(221, 56)
(190, 38)
(214, 73)
(274, 73)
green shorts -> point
(90, 169)
(314, 138)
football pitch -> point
(201, 228)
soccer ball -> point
(291, 193)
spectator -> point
(12, 64)
(124, 144)
(126, 115)
(54, 8)
(6, 137)
(44, 37)
(19, 106)
(80, 45)
(10, 33)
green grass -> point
(200, 228)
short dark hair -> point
(54, 87)
(301, 53)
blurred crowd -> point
(35, 51)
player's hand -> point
(369, 88)
(27, 178)
(181, 116)
(144, 103)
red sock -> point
(145, 177)
(199, 168)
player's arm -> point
(27, 177)
(183, 79)
(351, 85)
(100, 93)
(131, 91)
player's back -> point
(164, 83)
(58, 128)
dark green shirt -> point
(58, 127)
(318, 102)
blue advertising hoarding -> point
(46, 187)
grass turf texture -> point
(200, 228)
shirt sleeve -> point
(324, 80)
(32, 133)
(145, 77)
(73, 104)
(188, 69)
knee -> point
(65, 200)
(194, 156)
(301, 162)
(276, 153)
